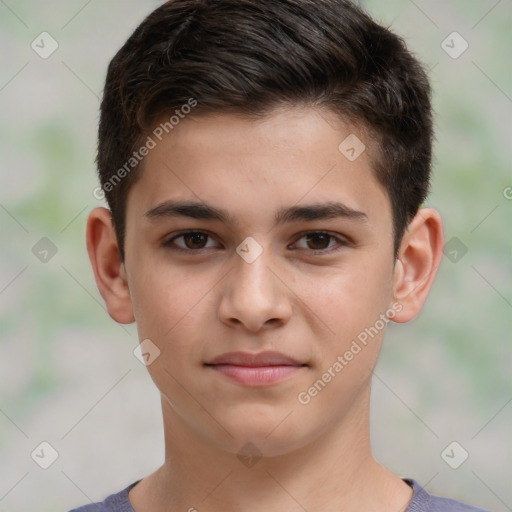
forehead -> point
(252, 167)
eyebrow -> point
(198, 210)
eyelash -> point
(341, 242)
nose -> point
(254, 295)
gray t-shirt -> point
(421, 501)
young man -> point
(265, 162)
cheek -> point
(351, 306)
(346, 301)
(171, 306)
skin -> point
(308, 305)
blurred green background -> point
(67, 372)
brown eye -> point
(318, 241)
(190, 241)
(195, 240)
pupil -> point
(196, 239)
(316, 237)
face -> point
(260, 236)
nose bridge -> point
(252, 271)
(254, 295)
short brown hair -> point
(248, 56)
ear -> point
(108, 268)
(418, 259)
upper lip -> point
(254, 360)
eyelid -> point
(341, 240)
(169, 241)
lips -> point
(255, 360)
(255, 370)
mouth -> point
(256, 370)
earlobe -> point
(418, 260)
(109, 270)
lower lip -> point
(258, 375)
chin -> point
(262, 438)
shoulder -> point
(118, 502)
(423, 501)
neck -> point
(336, 471)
